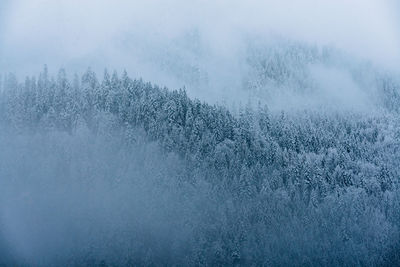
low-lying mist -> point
(80, 199)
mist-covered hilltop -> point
(116, 171)
(293, 76)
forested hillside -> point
(246, 187)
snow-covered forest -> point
(199, 133)
(118, 171)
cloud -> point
(165, 41)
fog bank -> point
(203, 45)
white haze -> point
(65, 204)
(198, 44)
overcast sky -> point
(146, 36)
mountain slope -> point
(258, 187)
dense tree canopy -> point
(330, 180)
